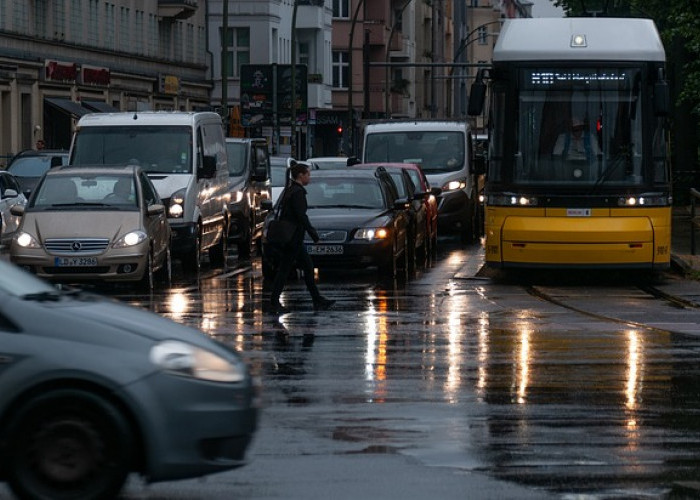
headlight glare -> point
(26, 240)
(130, 239)
(455, 185)
(372, 233)
(187, 360)
(177, 204)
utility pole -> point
(351, 125)
(294, 80)
(224, 66)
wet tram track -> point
(579, 435)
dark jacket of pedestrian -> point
(293, 207)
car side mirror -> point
(56, 161)
(17, 210)
(208, 168)
(479, 165)
(10, 193)
(353, 160)
(155, 209)
(436, 191)
(260, 174)
(402, 204)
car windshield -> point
(108, 191)
(157, 149)
(30, 166)
(278, 175)
(435, 152)
(344, 193)
(236, 152)
(18, 282)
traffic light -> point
(339, 131)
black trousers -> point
(289, 257)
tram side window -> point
(498, 118)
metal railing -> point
(694, 224)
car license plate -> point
(324, 249)
(75, 261)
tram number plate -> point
(578, 212)
(324, 249)
(75, 261)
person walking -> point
(293, 208)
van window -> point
(236, 152)
(157, 149)
(436, 152)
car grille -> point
(76, 245)
(330, 236)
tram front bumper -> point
(572, 242)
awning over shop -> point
(99, 106)
(67, 106)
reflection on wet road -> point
(465, 372)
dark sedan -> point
(361, 221)
(28, 166)
(92, 389)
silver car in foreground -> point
(92, 389)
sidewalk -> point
(681, 255)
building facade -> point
(60, 59)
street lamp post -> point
(294, 82)
(351, 127)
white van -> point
(443, 149)
(184, 154)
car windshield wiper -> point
(45, 296)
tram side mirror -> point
(477, 95)
(479, 164)
(662, 99)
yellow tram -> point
(578, 173)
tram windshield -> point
(578, 126)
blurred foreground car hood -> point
(95, 319)
(81, 223)
(348, 218)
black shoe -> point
(277, 308)
(323, 304)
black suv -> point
(360, 219)
(249, 185)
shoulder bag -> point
(280, 231)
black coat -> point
(294, 209)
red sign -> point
(61, 71)
(92, 75)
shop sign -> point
(57, 71)
(93, 75)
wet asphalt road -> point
(458, 384)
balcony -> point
(177, 9)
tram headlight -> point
(511, 200)
(645, 200)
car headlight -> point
(188, 360)
(372, 233)
(26, 240)
(130, 239)
(455, 185)
(177, 204)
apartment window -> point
(190, 43)
(59, 21)
(124, 29)
(40, 29)
(93, 23)
(152, 35)
(340, 69)
(76, 21)
(177, 40)
(483, 35)
(341, 8)
(139, 44)
(237, 50)
(110, 22)
(398, 19)
(303, 53)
